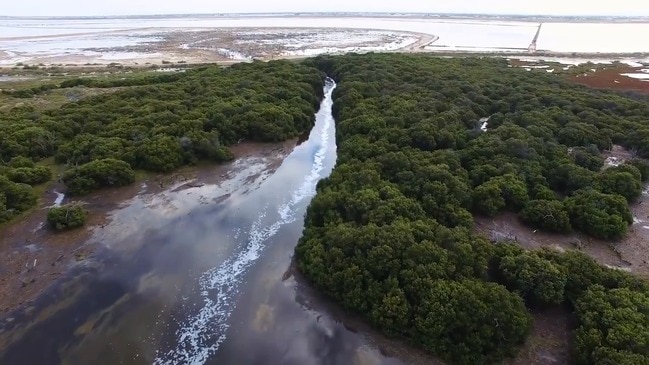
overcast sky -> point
(132, 7)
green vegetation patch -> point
(97, 174)
(66, 217)
(155, 122)
(389, 233)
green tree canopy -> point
(624, 180)
(538, 280)
(97, 174)
(66, 217)
(548, 215)
(600, 215)
(613, 327)
(468, 322)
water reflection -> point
(205, 280)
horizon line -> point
(298, 13)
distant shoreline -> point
(163, 40)
(508, 17)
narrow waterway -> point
(209, 284)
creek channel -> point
(213, 285)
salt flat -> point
(594, 37)
(209, 39)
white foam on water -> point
(201, 335)
(484, 122)
(59, 198)
(39, 227)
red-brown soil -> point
(612, 78)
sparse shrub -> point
(600, 215)
(21, 161)
(642, 166)
(537, 280)
(97, 174)
(30, 175)
(548, 215)
(66, 217)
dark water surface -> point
(201, 276)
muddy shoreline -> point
(200, 261)
(33, 258)
(390, 347)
